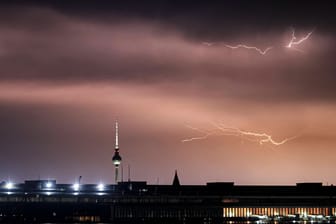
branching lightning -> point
(221, 130)
(260, 51)
(294, 41)
(205, 135)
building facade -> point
(129, 202)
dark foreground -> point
(44, 201)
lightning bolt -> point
(294, 42)
(221, 130)
(205, 133)
(260, 51)
(209, 44)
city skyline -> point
(219, 91)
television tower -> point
(116, 159)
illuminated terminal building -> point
(47, 201)
(137, 202)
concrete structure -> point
(116, 159)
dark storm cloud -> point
(199, 18)
(43, 44)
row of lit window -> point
(87, 218)
(247, 212)
(165, 212)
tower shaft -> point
(116, 159)
(116, 174)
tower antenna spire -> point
(116, 135)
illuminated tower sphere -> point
(116, 159)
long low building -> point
(47, 201)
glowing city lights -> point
(9, 185)
(100, 187)
(49, 185)
(75, 186)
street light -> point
(75, 186)
(100, 187)
(9, 185)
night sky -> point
(168, 71)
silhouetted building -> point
(176, 181)
(136, 202)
